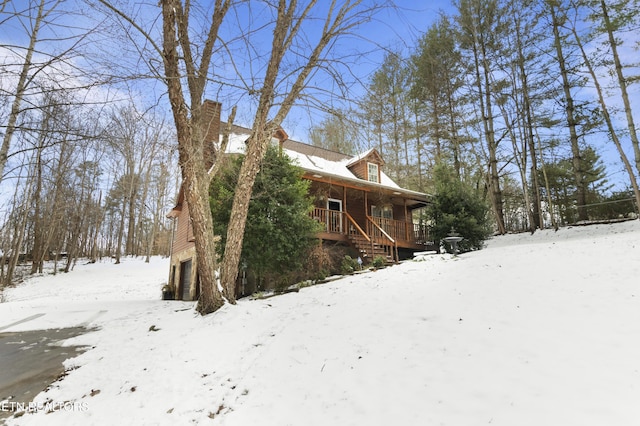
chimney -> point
(282, 137)
(211, 123)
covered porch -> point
(376, 221)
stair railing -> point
(382, 232)
(353, 226)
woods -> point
(529, 106)
(503, 92)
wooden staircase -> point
(371, 244)
(369, 250)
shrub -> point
(379, 262)
(349, 265)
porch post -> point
(344, 205)
(407, 223)
(365, 203)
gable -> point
(367, 166)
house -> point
(355, 201)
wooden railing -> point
(355, 229)
(332, 220)
(337, 222)
(382, 238)
(405, 231)
(421, 234)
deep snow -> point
(533, 330)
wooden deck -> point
(377, 237)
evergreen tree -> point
(457, 206)
(279, 230)
(437, 79)
(564, 190)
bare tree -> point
(34, 62)
(133, 138)
(188, 67)
(24, 79)
(339, 19)
(480, 23)
(610, 27)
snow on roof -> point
(339, 169)
(360, 156)
(236, 143)
(324, 163)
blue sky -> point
(396, 28)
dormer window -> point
(372, 170)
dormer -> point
(367, 166)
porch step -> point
(365, 249)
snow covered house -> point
(355, 201)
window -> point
(384, 212)
(373, 172)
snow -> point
(532, 330)
(315, 164)
(337, 169)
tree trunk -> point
(529, 136)
(552, 215)
(19, 232)
(120, 233)
(581, 190)
(131, 222)
(263, 128)
(607, 117)
(37, 252)
(256, 148)
(487, 121)
(190, 146)
(622, 82)
(20, 90)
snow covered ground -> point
(533, 330)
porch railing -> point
(405, 231)
(341, 223)
(332, 220)
(382, 238)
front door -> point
(334, 216)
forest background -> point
(530, 103)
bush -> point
(318, 263)
(379, 262)
(349, 265)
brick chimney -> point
(211, 122)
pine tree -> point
(279, 229)
(457, 206)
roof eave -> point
(312, 174)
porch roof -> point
(413, 199)
(319, 168)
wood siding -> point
(183, 237)
(183, 250)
